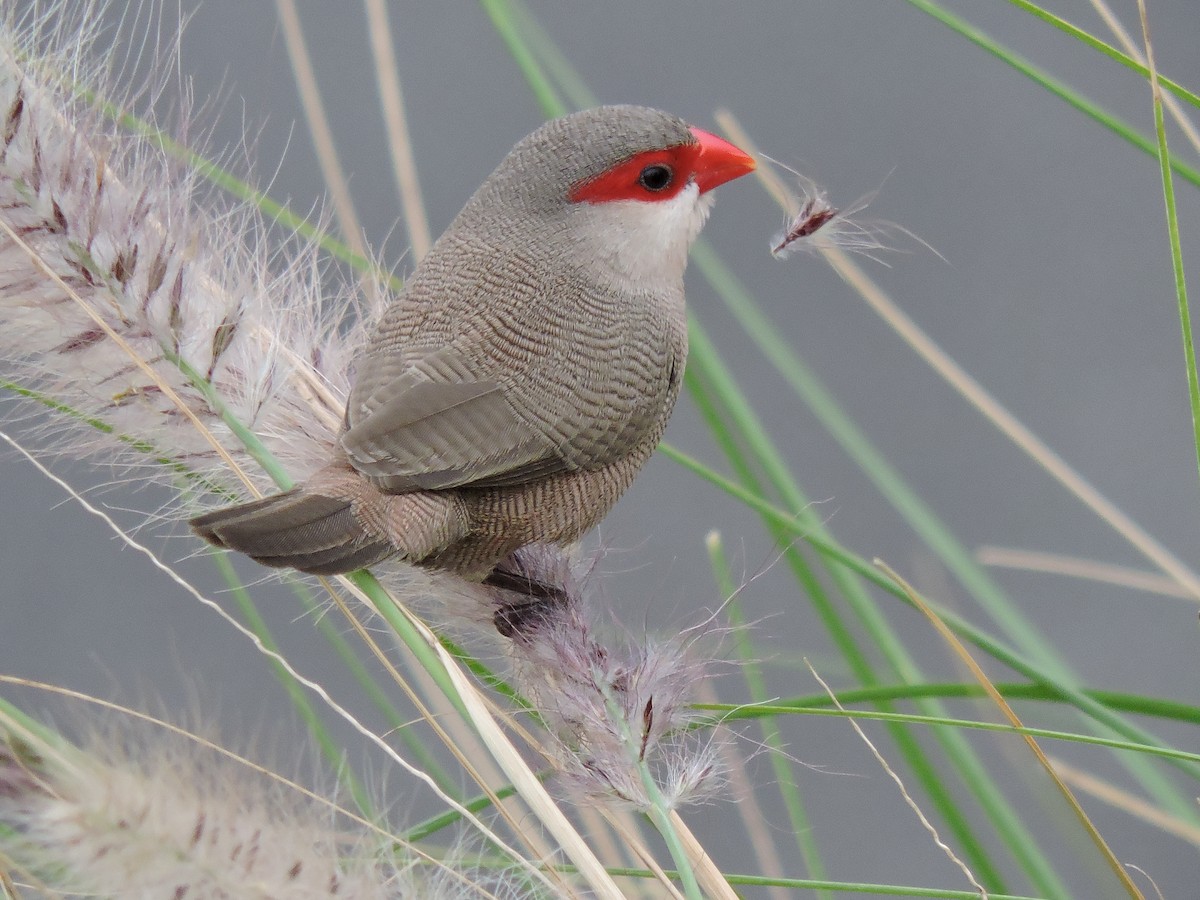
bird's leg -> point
(524, 599)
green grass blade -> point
(229, 183)
(1106, 49)
(920, 517)
(144, 447)
(1155, 707)
(423, 757)
(703, 357)
(853, 887)
(756, 687)
(732, 712)
(505, 24)
(712, 391)
(1181, 298)
(539, 42)
(961, 627)
(1059, 89)
(437, 823)
(296, 693)
(43, 731)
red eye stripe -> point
(621, 182)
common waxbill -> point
(526, 372)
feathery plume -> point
(127, 286)
(169, 825)
(135, 816)
(617, 714)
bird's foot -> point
(524, 600)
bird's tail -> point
(296, 529)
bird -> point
(517, 383)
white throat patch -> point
(638, 244)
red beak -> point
(719, 161)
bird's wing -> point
(429, 424)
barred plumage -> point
(512, 391)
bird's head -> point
(624, 190)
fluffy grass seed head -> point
(141, 814)
(616, 710)
(126, 281)
(170, 823)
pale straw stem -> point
(1078, 567)
(387, 73)
(318, 126)
(633, 842)
(1125, 801)
(1169, 101)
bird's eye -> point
(656, 177)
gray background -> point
(1055, 292)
